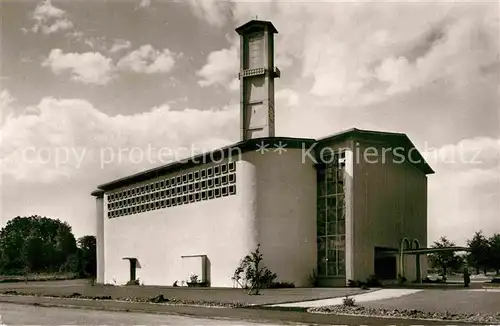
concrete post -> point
(99, 196)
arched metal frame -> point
(405, 244)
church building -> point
(343, 207)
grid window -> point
(197, 186)
(231, 166)
(163, 203)
(184, 178)
(197, 196)
(143, 189)
(217, 192)
(197, 175)
(217, 170)
(210, 172)
(224, 191)
(184, 189)
(191, 187)
(129, 193)
(190, 176)
(232, 178)
(147, 188)
(167, 183)
(232, 189)
(157, 204)
(178, 180)
(191, 198)
(168, 192)
(173, 181)
(179, 190)
(223, 168)
(224, 179)
(179, 200)
(217, 182)
(173, 201)
(203, 173)
(210, 183)
(204, 184)
(185, 199)
(162, 184)
(168, 202)
(204, 195)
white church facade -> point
(315, 206)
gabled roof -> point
(256, 25)
(395, 140)
(392, 139)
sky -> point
(91, 91)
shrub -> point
(133, 282)
(372, 281)
(281, 285)
(257, 275)
(193, 278)
(401, 279)
(352, 283)
(313, 278)
(349, 301)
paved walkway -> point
(379, 294)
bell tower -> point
(257, 73)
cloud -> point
(148, 60)
(57, 151)
(289, 95)
(213, 11)
(87, 68)
(120, 45)
(145, 3)
(6, 100)
(392, 49)
(49, 142)
(50, 19)
(221, 68)
(465, 191)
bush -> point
(281, 285)
(372, 281)
(348, 301)
(257, 276)
(313, 278)
(133, 282)
(353, 283)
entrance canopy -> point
(422, 251)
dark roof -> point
(392, 139)
(256, 25)
(227, 151)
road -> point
(12, 314)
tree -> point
(479, 251)
(494, 256)
(87, 249)
(36, 243)
(255, 272)
(444, 260)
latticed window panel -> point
(185, 188)
(331, 217)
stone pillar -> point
(99, 196)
